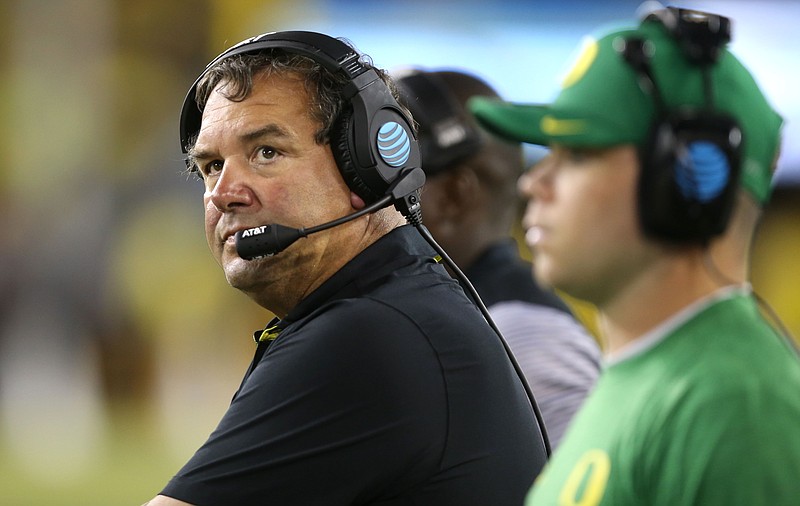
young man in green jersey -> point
(662, 152)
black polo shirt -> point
(383, 387)
(500, 275)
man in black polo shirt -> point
(378, 382)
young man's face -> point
(581, 221)
(261, 165)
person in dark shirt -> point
(378, 382)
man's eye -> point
(577, 155)
(265, 154)
(210, 168)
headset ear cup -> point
(340, 139)
(656, 198)
(688, 178)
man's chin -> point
(241, 274)
(548, 274)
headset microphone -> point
(267, 240)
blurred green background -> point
(120, 342)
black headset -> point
(446, 136)
(372, 140)
(692, 158)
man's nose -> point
(231, 188)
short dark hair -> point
(323, 86)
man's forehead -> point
(266, 131)
(276, 106)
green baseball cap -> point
(601, 103)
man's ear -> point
(464, 189)
(455, 192)
(357, 202)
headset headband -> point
(333, 54)
(372, 139)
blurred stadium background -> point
(120, 343)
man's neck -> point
(655, 296)
(675, 321)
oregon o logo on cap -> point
(394, 146)
(586, 57)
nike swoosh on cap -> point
(554, 126)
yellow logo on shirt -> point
(586, 484)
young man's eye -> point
(577, 155)
(584, 155)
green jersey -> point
(707, 413)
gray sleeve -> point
(560, 359)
